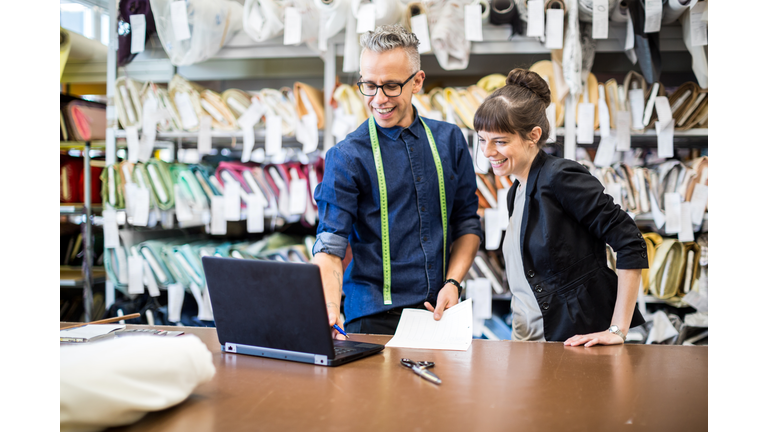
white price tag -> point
(554, 30)
(492, 229)
(218, 221)
(535, 18)
(603, 113)
(653, 9)
(421, 30)
(600, 19)
(552, 119)
(623, 137)
(473, 22)
(698, 25)
(686, 227)
(179, 21)
(698, 203)
(606, 151)
(186, 111)
(665, 139)
(663, 111)
(251, 115)
(135, 275)
(175, 302)
(111, 236)
(204, 136)
(255, 213)
(298, 195)
(141, 207)
(232, 200)
(249, 140)
(351, 47)
(138, 32)
(292, 31)
(132, 140)
(672, 212)
(274, 138)
(636, 107)
(650, 105)
(586, 128)
(366, 18)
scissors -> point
(420, 369)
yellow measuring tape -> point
(385, 208)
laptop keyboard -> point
(341, 350)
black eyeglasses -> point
(389, 89)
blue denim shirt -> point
(349, 211)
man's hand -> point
(599, 338)
(334, 317)
(446, 298)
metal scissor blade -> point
(427, 375)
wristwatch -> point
(615, 330)
(454, 282)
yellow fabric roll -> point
(422, 103)
(65, 44)
(221, 116)
(652, 241)
(593, 94)
(667, 269)
(315, 98)
(545, 69)
(73, 46)
(491, 82)
(347, 98)
(128, 102)
(176, 89)
(237, 100)
(459, 108)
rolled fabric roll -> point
(698, 54)
(662, 91)
(413, 9)
(491, 82)
(634, 80)
(454, 99)
(585, 9)
(450, 46)
(439, 101)
(116, 266)
(478, 94)
(128, 102)
(422, 104)
(263, 19)
(612, 100)
(700, 166)
(237, 100)
(501, 12)
(183, 176)
(65, 45)
(683, 98)
(152, 252)
(203, 174)
(186, 97)
(387, 11)
(485, 11)
(592, 92)
(277, 103)
(667, 269)
(674, 9)
(691, 256)
(160, 180)
(348, 99)
(652, 242)
(73, 46)
(695, 115)
(112, 187)
(334, 13)
(620, 12)
(572, 54)
(170, 120)
(212, 24)
(315, 97)
(646, 44)
(221, 116)
(126, 8)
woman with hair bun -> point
(560, 221)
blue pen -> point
(338, 329)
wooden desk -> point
(495, 385)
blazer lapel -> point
(533, 175)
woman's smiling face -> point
(509, 153)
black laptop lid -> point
(269, 304)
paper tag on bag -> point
(255, 213)
(698, 203)
(479, 290)
(292, 31)
(698, 25)
(183, 210)
(232, 201)
(623, 135)
(600, 19)
(653, 10)
(298, 194)
(175, 302)
(603, 113)
(135, 275)
(535, 18)
(658, 217)
(473, 22)
(218, 220)
(421, 30)
(366, 18)
(554, 29)
(150, 281)
(274, 139)
(637, 107)
(665, 140)
(204, 142)
(686, 227)
(672, 212)
(179, 21)
(629, 41)
(111, 236)
(132, 141)
(141, 207)
(586, 124)
(606, 151)
(138, 32)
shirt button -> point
(423, 208)
(639, 235)
(643, 245)
(418, 179)
(643, 254)
(538, 288)
(429, 266)
(545, 306)
(424, 238)
(531, 273)
(411, 148)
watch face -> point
(613, 328)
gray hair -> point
(389, 37)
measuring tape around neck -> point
(385, 208)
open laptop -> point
(277, 310)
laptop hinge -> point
(321, 360)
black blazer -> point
(567, 221)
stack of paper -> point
(418, 329)
(89, 332)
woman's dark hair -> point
(517, 107)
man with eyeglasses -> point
(413, 232)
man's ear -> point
(418, 81)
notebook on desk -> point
(277, 310)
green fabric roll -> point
(110, 179)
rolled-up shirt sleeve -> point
(464, 218)
(336, 198)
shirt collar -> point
(394, 132)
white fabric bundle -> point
(674, 9)
(212, 23)
(572, 50)
(116, 382)
(310, 20)
(446, 21)
(334, 15)
(387, 11)
(263, 19)
(698, 54)
(585, 9)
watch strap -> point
(455, 282)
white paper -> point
(653, 9)
(232, 201)
(650, 105)
(473, 22)
(175, 302)
(204, 136)
(672, 211)
(351, 60)
(698, 301)
(218, 221)
(418, 329)
(606, 151)
(569, 142)
(255, 213)
(554, 30)
(274, 139)
(149, 281)
(658, 217)
(665, 139)
(535, 18)
(138, 32)
(552, 118)
(600, 19)
(132, 140)
(698, 25)
(637, 106)
(586, 129)
(698, 203)
(492, 229)
(366, 18)
(135, 275)
(298, 195)
(292, 32)
(614, 190)
(479, 290)
(90, 331)
(150, 118)
(421, 30)
(179, 21)
(501, 207)
(111, 237)
(686, 227)
(662, 329)
(141, 207)
(623, 136)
